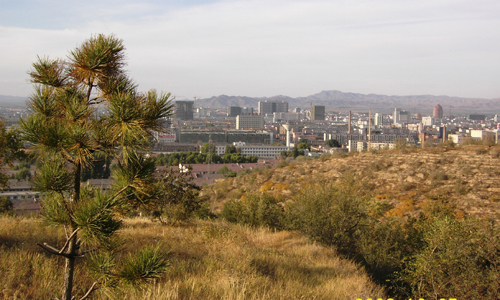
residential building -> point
(270, 107)
(184, 110)
(249, 122)
(317, 113)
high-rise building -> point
(438, 112)
(249, 122)
(270, 107)
(247, 111)
(317, 112)
(401, 116)
(233, 111)
(379, 119)
(184, 110)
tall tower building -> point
(438, 112)
(317, 112)
(379, 119)
(184, 110)
(400, 116)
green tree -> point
(23, 174)
(177, 197)
(333, 143)
(11, 147)
(303, 144)
(226, 172)
(232, 149)
(68, 134)
(6, 206)
(207, 148)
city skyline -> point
(267, 48)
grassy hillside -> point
(407, 223)
(207, 260)
(468, 178)
(423, 223)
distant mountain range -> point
(339, 101)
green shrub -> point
(384, 247)
(459, 260)
(328, 215)
(256, 210)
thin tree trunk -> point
(72, 250)
(69, 270)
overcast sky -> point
(259, 48)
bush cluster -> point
(255, 210)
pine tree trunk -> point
(69, 270)
(72, 251)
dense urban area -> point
(219, 142)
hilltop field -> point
(404, 180)
(395, 223)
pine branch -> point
(92, 288)
(68, 240)
(53, 250)
(119, 192)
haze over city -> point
(266, 48)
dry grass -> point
(208, 260)
(467, 175)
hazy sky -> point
(265, 48)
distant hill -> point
(340, 101)
(337, 100)
(12, 101)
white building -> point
(261, 151)
(382, 146)
(164, 138)
(479, 135)
(249, 122)
(428, 121)
(379, 119)
(354, 145)
(456, 138)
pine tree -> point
(84, 108)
